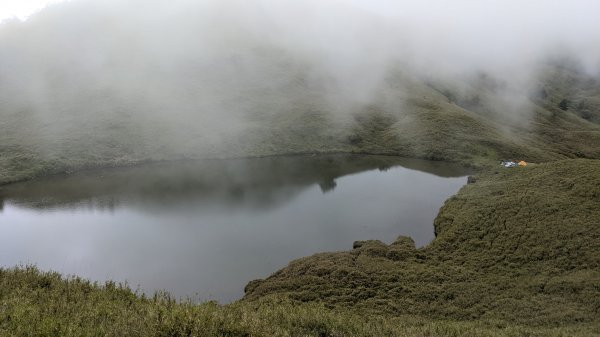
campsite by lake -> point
(203, 229)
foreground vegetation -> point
(34, 303)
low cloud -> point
(197, 74)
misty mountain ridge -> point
(87, 83)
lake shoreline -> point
(488, 181)
(258, 207)
(138, 163)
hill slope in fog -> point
(86, 84)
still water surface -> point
(204, 229)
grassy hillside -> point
(517, 245)
(474, 122)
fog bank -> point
(190, 76)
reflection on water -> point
(204, 229)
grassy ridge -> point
(518, 245)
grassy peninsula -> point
(519, 246)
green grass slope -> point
(517, 245)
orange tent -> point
(522, 163)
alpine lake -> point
(203, 229)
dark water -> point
(204, 229)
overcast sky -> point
(456, 34)
(21, 8)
